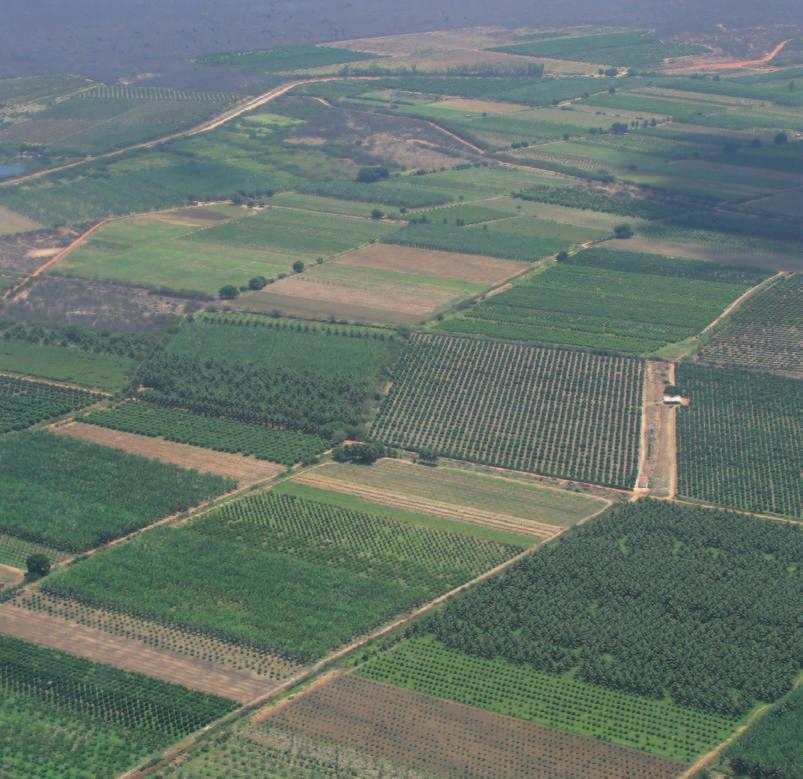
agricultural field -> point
(517, 406)
(611, 300)
(203, 249)
(75, 496)
(286, 58)
(223, 435)
(771, 747)
(316, 379)
(64, 716)
(328, 573)
(763, 334)
(383, 283)
(24, 403)
(738, 440)
(665, 693)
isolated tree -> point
(229, 292)
(258, 282)
(623, 231)
(377, 214)
(618, 128)
(361, 454)
(38, 565)
(562, 256)
(298, 266)
(781, 138)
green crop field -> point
(676, 692)
(738, 440)
(296, 576)
(563, 701)
(510, 405)
(223, 435)
(317, 380)
(771, 747)
(74, 495)
(24, 403)
(764, 333)
(611, 300)
(64, 716)
(205, 255)
(286, 58)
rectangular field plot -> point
(15, 551)
(317, 379)
(764, 333)
(223, 435)
(449, 739)
(96, 370)
(604, 299)
(675, 691)
(293, 576)
(573, 415)
(383, 283)
(24, 403)
(74, 495)
(64, 716)
(739, 439)
(487, 502)
(174, 251)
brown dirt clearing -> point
(131, 655)
(246, 470)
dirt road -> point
(768, 57)
(658, 457)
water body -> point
(12, 169)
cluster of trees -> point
(372, 174)
(697, 603)
(309, 401)
(134, 345)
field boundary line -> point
(54, 383)
(686, 501)
(322, 665)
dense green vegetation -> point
(739, 439)
(286, 58)
(721, 586)
(772, 748)
(295, 576)
(610, 300)
(517, 406)
(474, 240)
(399, 192)
(595, 201)
(75, 495)
(24, 403)
(63, 716)
(223, 435)
(563, 701)
(317, 380)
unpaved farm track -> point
(469, 516)
(131, 655)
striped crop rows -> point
(24, 403)
(120, 92)
(563, 413)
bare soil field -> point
(303, 295)
(451, 739)
(658, 451)
(52, 299)
(495, 521)
(11, 222)
(246, 470)
(131, 655)
(437, 40)
(442, 265)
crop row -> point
(739, 439)
(570, 414)
(24, 403)
(117, 91)
(223, 435)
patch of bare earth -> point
(426, 262)
(24, 252)
(658, 453)
(451, 739)
(246, 470)
(131, 655)
(470, 516)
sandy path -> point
(131, 655)
(768, 57)
(245, 470)
(658, 455)
(742, 298)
